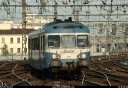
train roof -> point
(60, 22)
(35, 32)
(67, 26)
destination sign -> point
(82, 37)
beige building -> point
(33, 21)
(11, 33)
(13, 38)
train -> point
(59, 45)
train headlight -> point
(83, 56)
(58, 56)
(54, 56)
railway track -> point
(116, 74)
(100, 73)
(100, 78)
(98, 59)
(116, 67)
(8, 76)
(58, 83)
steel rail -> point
(105, 76)
(2, 84)
(57, 82)
(108, 67)
(83, 77)
(3, 72)
(2, 65)
(95, 83)
(18, 83)
(92, 82)
(70, 84)
(116, 69)
(20, 77)
(117, 78)
(45, 82)
(120, 66)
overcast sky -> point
(66, 10)
(16, 12)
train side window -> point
(37, 44)
(29, 44)
(53, 41)
(33, 43)
(35, 40)
(82, 41)
(42, 42)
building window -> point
(11, 40)
(18, 50)
(18, 40)
(11, 50)
(3, 40)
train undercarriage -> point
(69, 72)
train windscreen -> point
(53, 41)
(82, 41)
(68, 41)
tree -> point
(5, 50)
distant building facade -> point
(33, 21)
(11, 34)
(13, 39)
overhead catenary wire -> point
(46, 7)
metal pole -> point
(23, 28)
(125, 39)
(55, 9)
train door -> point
(42, 51)
(30, 49)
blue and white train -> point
(60, 44)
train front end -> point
(70, 59)
(68, 46)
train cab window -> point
(68, 41)
(82, 41)
(53, 41)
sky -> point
(67, 9)
(97, 13)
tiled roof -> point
(15, 31)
